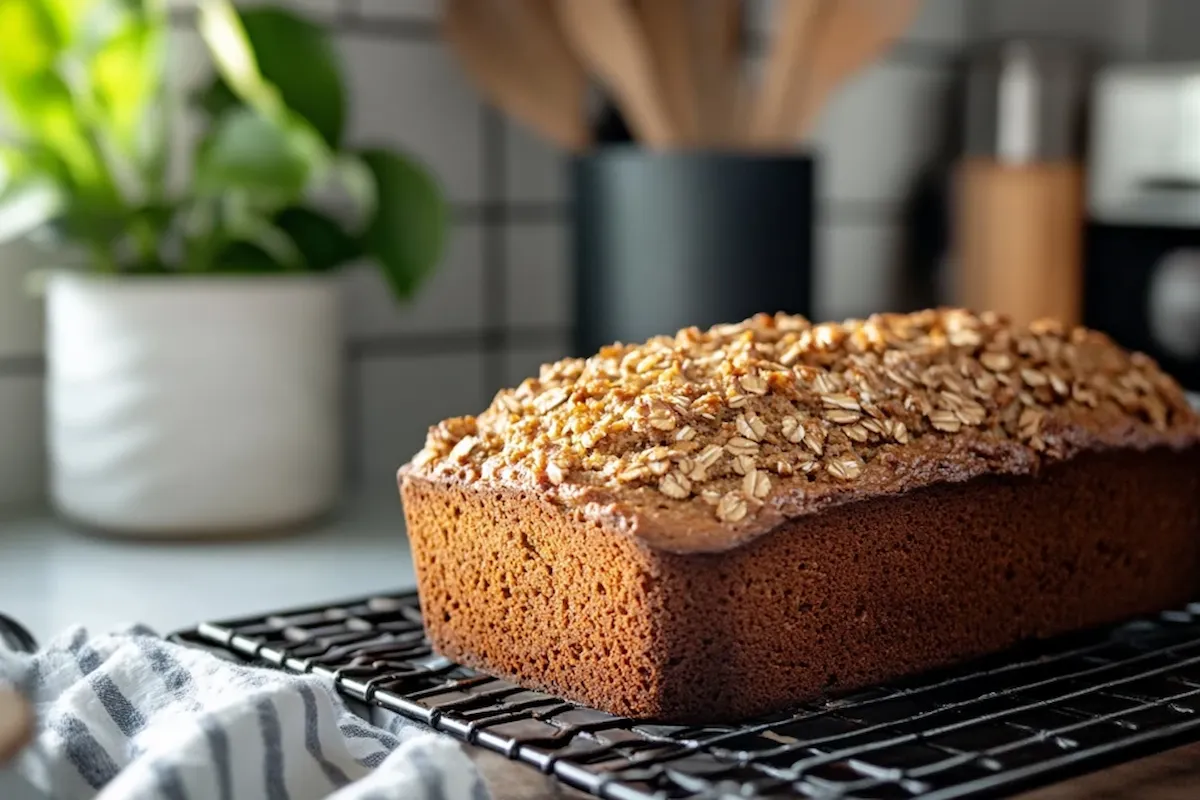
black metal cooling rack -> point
(1028, 717)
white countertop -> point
(53, 576)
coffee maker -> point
(1142, 238)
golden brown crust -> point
(723, 523)
(706, 440)
(539, 593)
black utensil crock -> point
(665, 240)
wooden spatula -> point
(511, 56)
(608, 38)
(717, 26)
(772, 124)
(535, 31)
(672, 48)
(851, 34)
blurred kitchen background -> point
(500, 303)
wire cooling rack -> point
(1028, 717)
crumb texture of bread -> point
(720, 524)
(855, 595)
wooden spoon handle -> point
(796, 28)
(855, 33)
(668, 37)
(501, 72)
(608, 38)
(718, 68)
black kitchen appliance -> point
(1142, 243)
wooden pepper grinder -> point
(1019, 226)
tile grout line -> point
(349, 19)
(976, 22)
(347, 11)
(25, 366)
(528, 212)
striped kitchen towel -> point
(128, 716)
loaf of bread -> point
(722, 523)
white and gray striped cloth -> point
(127, 716)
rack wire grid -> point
(1027, 717)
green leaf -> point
(126, 74)
(350, 175)
(29, 39)
(44, 113)
(264, 235)
(248, 152)
(223, 32)
(297, 58)
(215, 99)
(254, 244)
(38, 102)
(67, 17)
(408, 230)
(323, 242)
(244, 257)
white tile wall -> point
(400, 397)
(20, 309)
(1115, 27)
(538, 275)
(317, 10)
(21, 428)
(22, 454)
(535, 171)
(451, 299)
(412, 95)
(879, 131)
(399, 9)
(860, 268)
(1173, 29)
(937, 21)
(525, 362)
(940, 22)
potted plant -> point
(194, 353)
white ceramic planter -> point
(193, 406)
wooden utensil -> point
(668, 33)
(516, 63)
(536, 33)
(851, 34)
(796, 23)
(608, 39)
(16, 724)
(670, 41)
(717, 25)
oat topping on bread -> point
(733, 416)
(792, 509)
